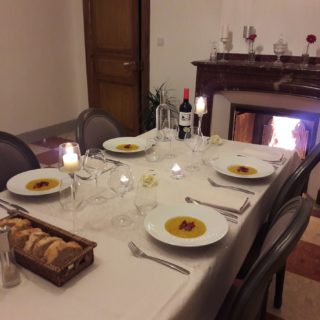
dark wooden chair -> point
(94, 126)
(248, 300)
(293, 186)
(15, 157)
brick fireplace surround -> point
(262, 76)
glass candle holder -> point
(176, 172)
(201, 109)
(69, 157)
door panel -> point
(115, 51)
(113, 24)
(112, 67)
(122, 97)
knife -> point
(17, 207)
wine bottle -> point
(185, 115)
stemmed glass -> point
(279, 48)
(195, 141)
(170, 130)
(69, 162)
(121, 181)
(94, 163)
(224, 41)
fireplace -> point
(276, 127)
(237, 75)
(261, 90)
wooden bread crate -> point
(57, 275)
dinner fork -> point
(214, 184)
(140, 254)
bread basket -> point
(57, 275)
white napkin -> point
(271, 155)
(230, 200)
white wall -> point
(42, 56)
(189, 26)
(42, 63)
(294, 19)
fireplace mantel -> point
(261, 76)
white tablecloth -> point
(120, 286)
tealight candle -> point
(176, 171)
(124, 180)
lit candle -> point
(201, 105)
(70, 160)
(224, 32)
(124, 180)
(176, 171)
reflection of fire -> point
(289, 133)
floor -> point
(302, 284)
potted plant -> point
(148, 115)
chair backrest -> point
(15, 157)
(94, 126)
(285, 232)
(296, 182)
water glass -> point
(94, 163)
(146, 193)
(152, 150)
(210, 154)
(195, 142)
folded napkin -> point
(271, 155)
(229, 200)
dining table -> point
(120, 286)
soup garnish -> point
(242, 170)
(42, 184)
(185, 227)
(127, 147)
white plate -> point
(216, 224)
(17, 184)
(263, 168)
(112, 144)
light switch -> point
(160, 42)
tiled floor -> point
(302, 283)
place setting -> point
(243, 167)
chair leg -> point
(279, 287)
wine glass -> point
(170, 129)
(94, 163)
(194, 141)
(121, 181)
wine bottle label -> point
(185, 118)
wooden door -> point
(117, 53)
